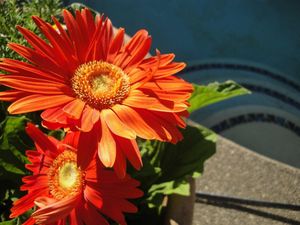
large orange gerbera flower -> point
(85, 77)
(64, 192)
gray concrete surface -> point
(237, 171)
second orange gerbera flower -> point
(86, 78)
(63, 192)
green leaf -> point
(184, 160)
(213, 93)
(10, 222)
(168, 188)
(168, 167)
(78, 6)
(13, 143)
(58, 134)
(9, 167)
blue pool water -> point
(255, 43)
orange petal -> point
(53, 211)
(169, 70)
(107, 146)
(34, 182)
(76, 34)
(139, 53)
(93, 197)
(64, 51)
(75, 219)
(91, 216)
(98, 48)
(139, 99)
(107, 37)
(164, 59)
(63, 35)
(127, 206)
(41, 46)
(26, 202)
(165, 68)
(133, 120)
(115, 45)
(36, 42)
(163, 126)
(91, 51)
(156, 123)
(88, 21)
(88, 119)
(139, 77)
(34, 85)
(82, 26)
(131, 150)
(30, 221)
(113, 212)
(120, 164)
(131, 48)
(74, 108)
(51, 126)
(170, 84)
(46, 145)
(16, 67)
(87, 147)
(12, 95)
(42, 202)
(116, 125)
(72, 138)
(55, 115)
(174, 118)
(38, 59)
(37, 102)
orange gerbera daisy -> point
(66, 193)
(87, 78)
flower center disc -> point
(100, 84)
(65, 178)
(68, 175)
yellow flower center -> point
(65, 178)
(100, 84)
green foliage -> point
(168, 168)
(13, 140)
(13, 143)
(10, 222)
(17, 221)
(17, 12)
(213, 93)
